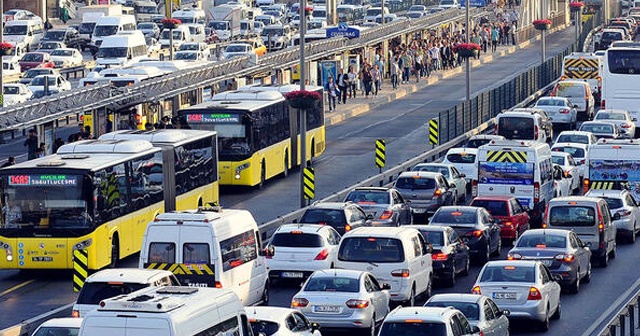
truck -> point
(585, 67)
(89, 20)
(106, 10)
(225, 20)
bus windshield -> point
(233, 141)
(45, 201)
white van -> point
(519, 169)
(111, 25)
(398, 256)
(169, 311)
(209, 248)
(108, 283)
(516, 125)
(190, 15)
(373, 12)
(196, 30)
(122, 49)
(88, 24)
(181, 34)
(27, 32)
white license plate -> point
(506, 296)
(326, 309)
(292, 274)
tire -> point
(604, 260)
(455, 198)
(412, 298)
(587, 277)
(574, 288)
(498, 249)
(632, 237)
(544, 324)
(427, 292)
(451, 281)
(464, 198)
(484, 258)
(263, 175)
(265, 294)
(115, 251)
(558, 313)
(372, 329)
(614, 252)
(466, 269)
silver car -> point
(621, 118)
(340, 298)
(480, 310)
(451, 173)
(560, 110)
(601, 129)
(624, 211)
(425, 191)
(525, 288)
(386, 206)
(560, 250)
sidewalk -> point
(361, 105)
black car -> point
(450, 255)
(478, 229)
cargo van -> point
(169, 311)
(519, 169)
(209, 247)
(111, 25)
(122, 49)
(590, 218)
(27, 32)
(579, 93)
(518, 125)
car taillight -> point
(474, 233)
(507, 223)
(347, 227)
(564, 111)
(625, 125)
(439, 256)
(603, 105)
(585, 185)
(386, 214)
(357, 304)
(437, 193)
(534, 294)
(474, 188)
(624, 213)
(536, 193)
(535, 132)
(476, 290)
(600, 222)
(322, 255)
(565, 257)
(514, 256)
(218, 284)
(75, 313)
(545, 218)
(299, 302)
(400, 273)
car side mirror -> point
(315, 326)
(556, 277)
(386, 286)
(616, 216)
(463, 175)
(369, 217)
(295, 220)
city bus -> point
(258, 134)
(92, 195)
(195, 155)
(621, 80)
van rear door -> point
(579, 217)
(507, 172)
(147, 326)
(196, 266)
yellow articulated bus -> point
(258, 134)
(195, 155)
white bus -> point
(621, 80)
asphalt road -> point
(348, 159)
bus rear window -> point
(625, 62)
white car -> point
(570, 167)
(189, 56)
(525, 288)
(586, 138)
(56, 83)
(59, 326)
(624, 211)
(579, 152)
(466, 161)
(237, 50)
(480, 310)
(278, 321)
(10, 67)
(16, 93)
(66, 57)
(561, 184)
(297, 250)
(622, 119)
(451, 173)
(478, 140)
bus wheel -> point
(263, 175)
(115, 251)
(285, 171)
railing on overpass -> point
(75, 102)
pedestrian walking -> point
(343, 83)
(376, 76)
(332, 93)
(394, 70)
(494, 38)
(353, 80)
(32, 144)
(367, 80)
(406, 66)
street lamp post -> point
(467, 66)
(302, 112)
(2, 65)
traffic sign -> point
(80, 268)
(380, 153)
(433, 132)
(309, 186)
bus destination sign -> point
(214, 118)
(43, 180)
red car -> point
(35, 59)
(511, 216)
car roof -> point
(557, 153)
(433, 314)
(457, 297)
(559, 232)
(427, 227)
(348, 273)
(368, 231)
(371, 189)
(500, 263)
(68, 322)
(458, 150)
(419, 174)
(434, 164)
(596, 122)
(584, 133)
(133, 275)
(574, 199)
(487, 136)
(610, 110)
(329, 205)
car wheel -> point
(263, 175)
(604, 260)
(632, 237)
(372, 329)
(558, 313)
(486, 255)
(587, 277)
(544, 325)
(467, 267)
(427, 292)
(115, 252)
(464, 197)
(574, 288)
(499, 248)
(265, 294)
(451, 282)
(412, 298)
(285, 170)
(614, 252)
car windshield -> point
(218, 25)
(461, 158)
(272, 31)
(62, 52)
(86, 27)
(542, 240)
(49, 45)
(508, 274)
(94, 292)
(470, 310)
(187, 56)
(15, 30)
(57, 331)
(189, 46)
(575, 138)
(413, 183)
(148, 25)
(32, 57)
(414, 15)
(330, 217)
(455, 218)
(610, 116)
(370, 249)
(11, 90)
(611, 36)
(559, 160)
(494, 207)
(368, 197)
(614, 203)
(36, 72)
(105, 30)
(433, 169)
(296, 239)
(597, 128)
(572, 215)
(39, 81)
(236, 48)
(374, 12)
(435, 238)
(332, 284)
(416, 8)
(266, 328)
(413, 328)
(576, 152)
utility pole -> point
(302, 112)
(467, 66)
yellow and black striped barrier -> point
(507, 156)
(80, 268)
(434, 136)
(606, 185)
(380, 153)
(190, 269)
(309, 187)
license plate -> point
(42, 259)
(292, 274)
(326, 309)
(507, 296)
